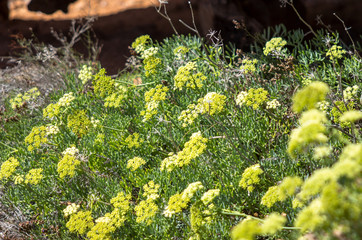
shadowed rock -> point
(49, 6)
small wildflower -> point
(135, 163)
(192, 149)
(322, 152)
(254, 98)
(66, 100)
(36, 138)
(103, 85)
(121, 201)
(350, 92)
(139, 45)
(247, 229)
(145, 211)
(151, 190)
(323, 106)
(310, 131)
(117, 98)
(8, 168)
(185, 76)
(80, 221)
(85, 74)
(274, 46)
(34, 176)
(28, 96)
(250, 177)
(210, 195)
(180, 52)
(68, 164)
(152, 65)
(79, 123)
(52, 130)
(133, 141)
(273, 104)
(71, 209)
(152, 98)
(248, 65)
(351, 116)
(180, 201)
(51, 111)
(335, 52)
(309, 96)
(149, 52)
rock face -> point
(49, 6)
(4, 10)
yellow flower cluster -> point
(209, 196)
(80, 222)
(250, 177)
(121, 201)
(34, 176)
(151, 65)
(248, 228)
(139, 45)
(152, 98)
(189, 115)
(185, 76)
(254, 97)
(350, 92)
(103, 85)
(111, 221)
(28, 96)
(281, 192)
(309, 96)
(8, 168)
(273, 104)
(70, 209)
(106, 225)
(211, 104)
(147, 209)
(311, 130)
(151, 190)
(338, 110)
(192, 149)
(149, 52)
(351, 116)
(85, 74)
(117, 98)
(133, 140)
(335, 52)
(79, 123)
(36, 137)
(69, 162)
(323, 106)
(248, 65)
(274, 46)
(52, 130)
(180, 52)
(135, 163)
(53, 109)
(66, 100)
(180, 201)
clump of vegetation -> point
(211, 144)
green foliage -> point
(199, 148)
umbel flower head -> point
(274, 46)
(251, 177)
(8, 168)
(34, 176)
(180, 201)
(310, 131)
(186, 77)
(309, 96)
(254, 97)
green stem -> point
(14, 149)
